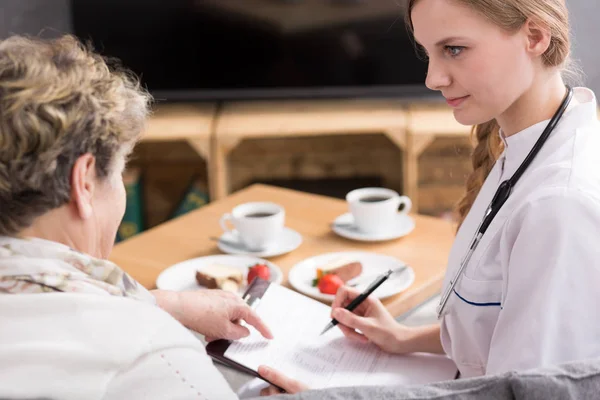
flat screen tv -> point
(257, 49)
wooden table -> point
(426, 249)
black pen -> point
(361, 297)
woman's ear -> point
(83, 179)
(538, 36)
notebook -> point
(330, 360)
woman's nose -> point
(437, 77)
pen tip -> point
(329, 326)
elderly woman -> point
(73, 325)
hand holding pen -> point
(372, 319)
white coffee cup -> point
(375, 209)
(257, 224)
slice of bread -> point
(230, 286)
(217, 276)
(345, 268)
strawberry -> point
(260, 270)
(330, 283)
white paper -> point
(330, 360)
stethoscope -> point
(500, 198)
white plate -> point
(302, 274)
(182, 276)
(344, 226)
(289, 240)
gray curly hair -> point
(58, 101)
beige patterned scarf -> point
(41, 266)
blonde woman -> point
(521, 289)
(73, 325)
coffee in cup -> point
(373, 199)
(376, 209)
(257, 224)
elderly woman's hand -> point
(216, 314)
(290, 386)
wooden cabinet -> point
(214, 132)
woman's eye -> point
(453, 51)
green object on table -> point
(195, 197)
(133, 220)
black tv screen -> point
(240, 49)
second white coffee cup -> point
(376, 209)
(257, 224)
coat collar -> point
(580, 113)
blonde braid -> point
(486, 152)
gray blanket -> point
(578, 380)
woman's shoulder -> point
(569, 173)
(116, 329)
(558, 207)
(106, 341)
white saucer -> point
(344, 226)
(182, 276)
(288, 240)
(302, 274)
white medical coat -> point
(530, 295)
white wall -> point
(585, 24)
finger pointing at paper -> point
(214, 313)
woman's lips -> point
(456, 101)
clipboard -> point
(348, 362)
(217, 348)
